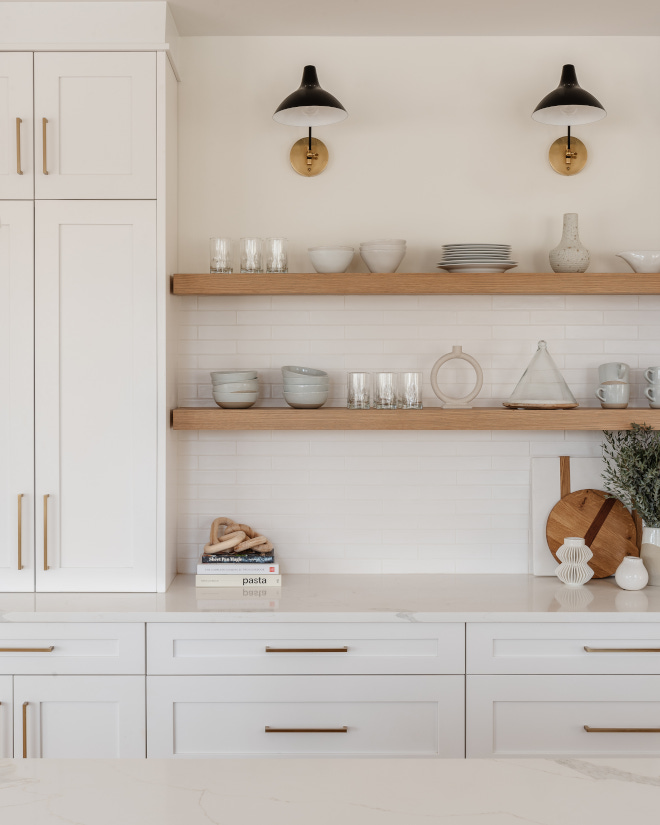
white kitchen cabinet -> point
(79, 717)
(96, 395)
(545, 716)
(17, 396)
(229, 716)
(95, 125)
(6, 718)
(16, 156)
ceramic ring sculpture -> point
(448, 401)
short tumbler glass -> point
(385, 391)
(221, 255)
(276, 259)
(410, 390)
(359, 391)
(251, 255)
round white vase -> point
(631, 574)
(574, 555)
(650, 553)
(570, 255)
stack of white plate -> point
(235, 389)
(384, 255)
(305, 388)
(476, 257)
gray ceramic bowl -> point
(239, 386)
(306, 375)
(236, 405)
(305, 388)
(232, 376)
(305, 400)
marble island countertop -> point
(368, 598)
(325, 792)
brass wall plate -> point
(558, 156)
(299, 159)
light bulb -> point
(569, 111)
(311, 111)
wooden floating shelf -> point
(418, 283)
(431, 418)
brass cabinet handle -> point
(20, 528)
(622, 649)
(44, 121)
(306, 649)
(25, 707)
(27, 649)
(589, 729)
(19, 171)
(343, 729)
(46, 497)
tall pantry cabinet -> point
(87, 162)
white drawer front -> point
(76, 648)
(546, 716)
(216, 716)
(508, 648)
(306, 649)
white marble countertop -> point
(325, 792)
(385, 598)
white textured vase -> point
(574, 555)
(631, 574)
(650, 553)
(570, 255)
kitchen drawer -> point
(544, 716)
(76, 648)
(222, 716)
(305, 648)
(538, 647)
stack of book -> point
(249, 575)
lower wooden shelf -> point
(431, 418)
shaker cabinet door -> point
(16, 163)
(16, 396)
(6, 725)
(96, 410)
(79, 717)
(95, 125)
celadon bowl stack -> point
(235, 389)
(305, 388)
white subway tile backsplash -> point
(390, 501)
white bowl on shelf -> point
(242, 404)
(383, 242)
(306, 400)
(379, 259)
(238, 386)
(232, 376)
(646, 262)
(329, 259)
(293, 387)
(304, 375)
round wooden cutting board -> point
(604, 523)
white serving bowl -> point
(240, 404)
(306, 387)
(230, 376)
(238, 386)
(383, 260)
(306, 400)
(307, 375)
(642, 261)
(326, 259)
(383, 242)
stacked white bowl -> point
(329, 259)
(235, 389)
(384, 255)
(305, 388)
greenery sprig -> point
(632, 470)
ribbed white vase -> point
(574, 555)
(650, 553)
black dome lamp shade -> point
(568, 105)
(309, 106)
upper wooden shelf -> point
(430, 418)
(418, 283)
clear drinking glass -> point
(410, 391)
(385, 391)
(221, 255)
(359, 391)
(251, 255)
(276, 259)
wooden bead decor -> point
(236, 538)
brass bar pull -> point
(46, 497)
(20, 531)
(44, 121)
(27, 649)
(306, 649)
(25, 707)
(19, 171)
(343, 729)
(622, 649)
(621, 730)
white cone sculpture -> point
(542, 386)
